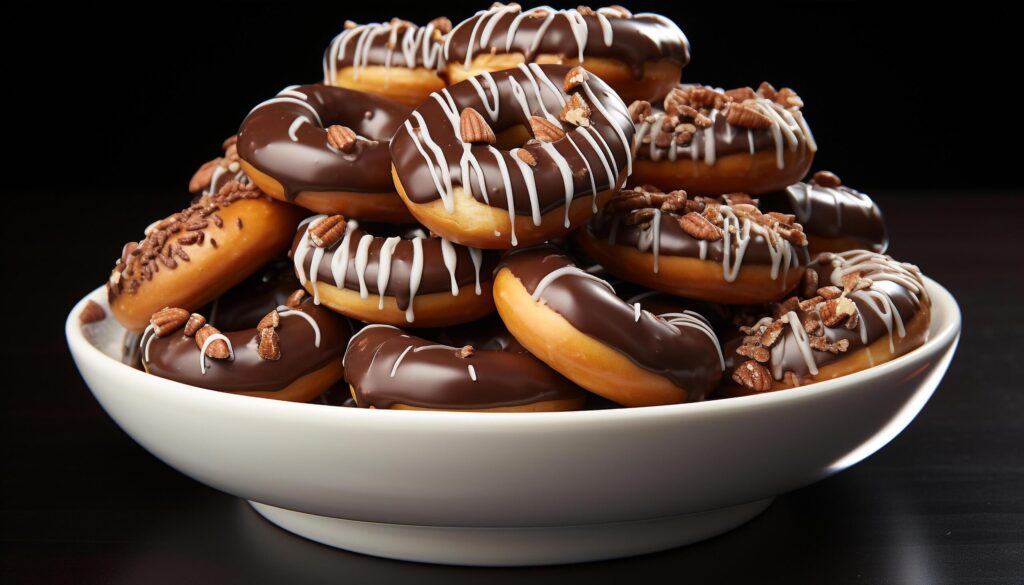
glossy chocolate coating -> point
(634, 40)
(386, 366)
(685, 355)
(836, 213)
(309, 163)
(244, 305)
(487, 334)
(176, 357)
(434, 278)
(503, 174)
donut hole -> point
(512, 137)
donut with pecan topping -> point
(859, 309)
(640, 55)
(292, 353)
(513, 158)
(397, 59)
(388, 368)
(574, 322)
(191, 257)
(326, 149)
(708, 141)
(836, 218)
(698, 248)
(395, 274)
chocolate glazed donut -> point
(461, 164)
(387, 368)
(301, 362)
(392, 274)
(640, 55)
(574, 322)
(326, 149)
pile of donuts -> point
(527, 211)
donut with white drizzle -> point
(836, 218)
(640, 55)
(513, 158)
(325, 149)
(708, 141)
(395, 59)
(392, 273)
(574, 322)
(867, 309)
(310, 342)
(697, 248)
(388, 368)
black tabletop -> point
(80, 502)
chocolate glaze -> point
(686, 355)
(606, 33)
(245, 304)
(437, 121)
(487, 334)
(836, 213)
(434, 278)
(308, 163)
(391, 44)
(386, 366)
(176, 357)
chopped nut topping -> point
(766, 91)
(835, 311)
(754, 376)
(754, 352)
(829, 292)
(747, 115)
(442, 24)
(640, 216)
(204, 176)
(218, 349)
(617, 11)
(271, 319)
(168, 320)
(195, 323)
(475, 130)
(826, 179)
(772, 332)
(675, 101)
(574, 78)
(465, 351)
(741, 94)
(527, 157)
(820, 343)
(575, 111)
(328, 231)
(639, 111)
(269, 346)
(91, 313)
(585, 11)
(341, 137)
(295, 299)
(545, 130)
(698, 226)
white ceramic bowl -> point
(514, 489)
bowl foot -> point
(512, 546)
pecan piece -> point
(754, 352)
(835, 311)
(741, 94)
(545, 130)
(706, 97)
(328, 231)
(640, 216)
(218, 349)
(698, 226)
(474, 128)
(829, 292)
(772, 332)
(574, 78)
(442, 24)
(168, 320)
(204, 176)
(465, 351)
(341, 137)
(826, 179)
(753, 375)
(195, 323)
(527, 157)
(676, 101)
(821, 343)
(575, 112)
(295, 299)
(91, 313)
(766, 90)
(788, 98)
(639, 111)
(269, 346)
(271, 319)
(809, 282)
(746, 115)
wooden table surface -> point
(80, 502)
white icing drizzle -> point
(285, 311)
(472, 372)
(414, 42)
(649, 238)
(779, 250)
(566, 271)
(384, 267)
(636, 312)
(365, 328)
(803, 344)
(476, 256)
(415, 276)
(362, 258)
(695, 321)
(206, 344)
(147, 338)
(401, 356)
(802, 198)
(295, 126)
(288, 97)
(450, 260)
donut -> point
(326, 149)
(708, 141)
(248, 301)
(513, 158)
(640, 55)
(696, 248)
(214, 174)
(574, 322)
(388, 368)
(487, 334)
(835, 217)
(396, 59)
(392, 273)
(293, 353)
(191, 257)
(868, 309)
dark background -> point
(109, 111)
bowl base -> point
(478, 546)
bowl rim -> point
(948, 330)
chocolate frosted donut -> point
(392, 274)
(707, 141)
(868, 309)
(247, 302)
(296, 360)
(574, 322)
(387, 368)
(326, 149)
(835, 217)
(214, 174)
(641, 56)
(696, 248)
(396, 59)
(462, 167)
